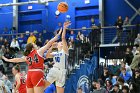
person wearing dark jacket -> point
(119, 24)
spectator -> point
(137, 40)
(128, 56)
(80, 37)
(57, 28)
(39, 43)
(125, 75)
(127, 29)
(105, 74)
(125, 89)
(99, 89)
(79, 90)
(135, 61)
(121, 82)
(126, 21)
(9, 55)
(13, 32)
(133, 88)
(127, 67)
(15, 45)
(2, 76)
(136, 77)
(116, 89)
(1, 41)
(72, 36)
(135, 50)
(115, 69)
(31, 38)
(119, 24)
(2, 87)
(93, 86)
(22, 41)
(8, 83)
(6, 43)
(108, 86)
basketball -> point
(62, 7)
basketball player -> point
(34, 58)
(58, 72)
(20, 86)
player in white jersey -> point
(58, 72)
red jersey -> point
(22, 85)
(34, 60)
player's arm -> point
(49, 52)
(14, 60)
(65, 46)
(48, 45)
(17, 78)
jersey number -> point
(31, 60)
(57, 59)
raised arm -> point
(14, 60)
(64, 42)
(48, 45)
(49, 52)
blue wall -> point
(32, 19)
(6, 16)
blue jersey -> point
(50, 89)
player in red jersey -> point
(19, 80)
(34, 58)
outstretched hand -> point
(60, 31)
(66, 24)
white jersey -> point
(60, 59)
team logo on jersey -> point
(83, 82)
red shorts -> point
(35, 78)
(22, 91)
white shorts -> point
(58, 75)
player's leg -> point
(60, 83)
(30, 90)
(51, 77)
(39, 89)
(60, 89)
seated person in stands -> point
(137, 40)
(121, 82)
(116, 89)
(72, 36)
(6, 43)
(80, 37)
(105, 74)
(31, 38)
(22, 41)
(99, 89)
(15, 45)
(79, 90)
(128, 68)
(115, 69)
(125, 89)
(108, 86)
(125, 75)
